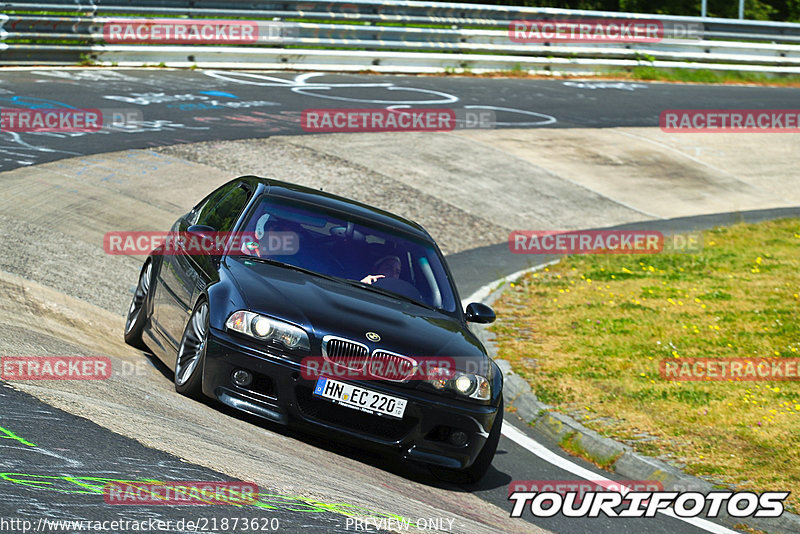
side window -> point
(200, 212)
(222, 215)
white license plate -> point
(360, 398)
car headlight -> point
(468, 384)
(268, 329)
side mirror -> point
(204, 237)
(480, 313)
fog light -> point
(458, 438)
(242, 378)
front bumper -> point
(281, 394)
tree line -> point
(778, 10)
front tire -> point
(137, 313)
(192, 353)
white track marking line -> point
(521, 439)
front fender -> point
(223, 298)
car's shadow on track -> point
(409, 470)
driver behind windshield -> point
(386, 267)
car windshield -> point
(361, 252)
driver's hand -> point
(371, 278)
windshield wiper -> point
(355, 283)
(389, 293)
(277, 263)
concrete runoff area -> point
(468, 188)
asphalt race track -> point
(182, 107)
(59, 443)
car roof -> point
(335, 202)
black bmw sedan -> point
(314, 310)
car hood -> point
(327, 307)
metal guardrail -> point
(391, 36)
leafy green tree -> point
(778, 10)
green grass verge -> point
(710, 76)
(589, 334)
